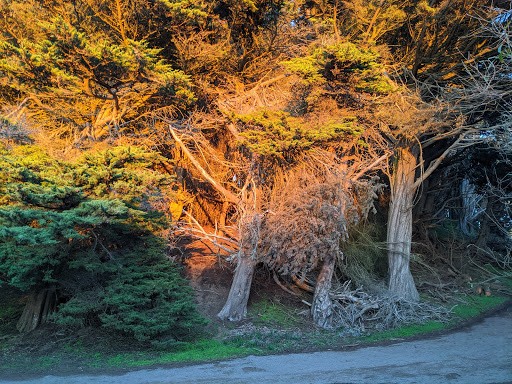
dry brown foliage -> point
(306, 217)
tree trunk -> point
(39, 306)
(469, 207)
(235, 307)
(399, 231)
(485, 224)
(321, 308)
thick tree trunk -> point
(321, 308)
(39, 306)
(470, 208)
(399, 231)
(236, 305)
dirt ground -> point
(210, 276)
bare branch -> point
(370, 167)
(229, 196)
(432, 167)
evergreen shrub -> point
(86, 230)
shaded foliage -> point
(83, 230)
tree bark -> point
(321, 309)
(39, 306)
(485, 224)
(399, 231)
(235, 308)
(469, 208)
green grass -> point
(201, 351)
(255, 343)
(264, 342)
(275, 335)
(268, 312)
(48, 361)
(101, 356)
(26, 364)
(471, 306)
(475, 305)
(407, 331)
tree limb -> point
(229, 196)
(433, 166)
(371, 166)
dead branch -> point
(282, 286)
(200, 233)
(438, 161)
(232, 198)
(356, 310)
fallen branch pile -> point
(357, 310)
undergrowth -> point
(9, 314)
(469, 307)
(275, 328)
(269, 312)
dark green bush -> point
(86, 230)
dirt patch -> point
(209, 275)
(206, 268)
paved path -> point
(480, 354)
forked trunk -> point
(235, 307)
(39, 306)
(321, 309)
(399, 231)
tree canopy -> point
(271, 127)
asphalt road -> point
(478, 354)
